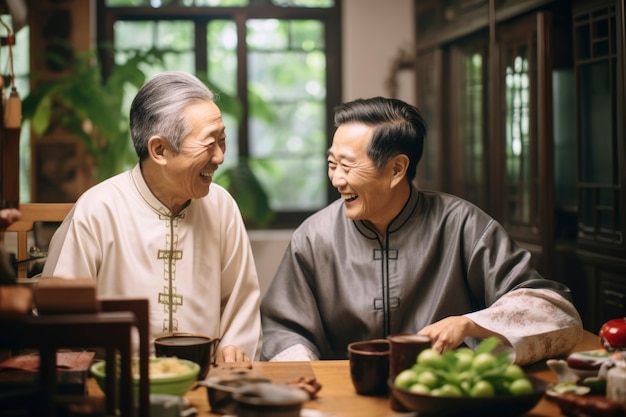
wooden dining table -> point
(337, 396)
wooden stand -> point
(110, 329)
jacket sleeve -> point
(533, 313)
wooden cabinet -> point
(528, 114)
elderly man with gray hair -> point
(157, 232)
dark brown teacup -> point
(369, 366)
(193, 347)
(403, 351)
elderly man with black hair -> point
(388, 257)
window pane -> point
(174, 34)
(291, 191)
(222, 73)
(159, 3)
(133, 35)
(222, 56)
(267, 34)
(471, 127)
(307, 35)
(304, 3)
(287, 128)
(520, 177)
(219, 3)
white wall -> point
(373, 33)
(268, 247)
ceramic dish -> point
(511, 405)
(553, 391)
(220, 390)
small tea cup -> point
(369, 366)
(197, 348)
(403, 351)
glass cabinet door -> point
(523, 142)
(518, 128)
(595, 65)
(468, 133)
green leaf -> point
(487, 345)
(40, 119)
(248, 191)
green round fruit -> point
(419, 389)
(521, 386)
(449, 390)
(513, 372)
(482, 389)
(428, 378)
(431, 358)
(463, 361)
(405, 379)
(483, 362)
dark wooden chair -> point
(31, 214)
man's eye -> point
(332, 164)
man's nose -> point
(218, 156)
(337, 178)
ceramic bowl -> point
(510, 405)
(175, 383)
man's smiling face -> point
(201, 152)
(364, 189)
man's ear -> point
(399, 166)
(158, 149)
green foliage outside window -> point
(220, 3)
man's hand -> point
(8, 216)
(448, 333)
(232, 353)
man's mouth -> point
(349, 197)
(207, 175)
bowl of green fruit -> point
(466, 382)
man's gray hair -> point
(157, 109)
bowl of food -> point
(512, 405)
(465, 382)
(170, 376)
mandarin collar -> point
(367, 229)
(146, 194)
